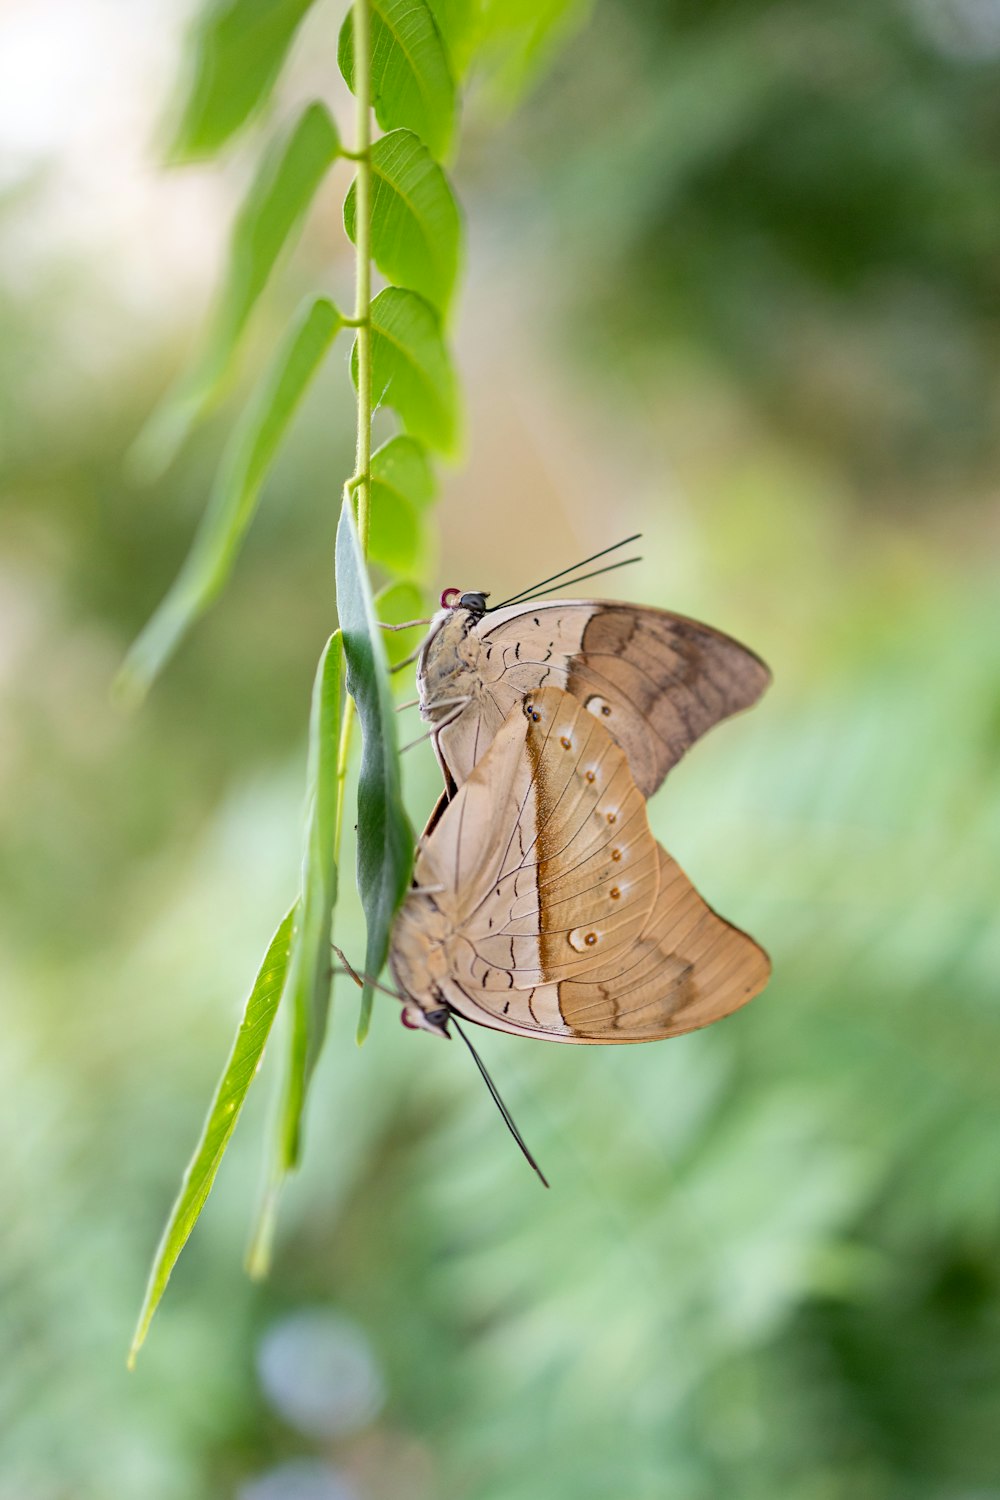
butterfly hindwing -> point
(555, 914)
(690, 967)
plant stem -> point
(357, 491)
(363, 266)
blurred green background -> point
(733, 280)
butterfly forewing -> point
(656, 680)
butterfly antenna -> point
(501, 1106)
(572, 582)
(515, 598)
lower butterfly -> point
(542, 904)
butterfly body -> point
(656, 680)
(448, 663)
(542, 904)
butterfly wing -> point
(569, 923)
(688, 968)
(657, 681)
(544, 858)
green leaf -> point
(394, 604)
(245, 464)
(385, 838)
(507, 41)
(516, 39)
(237, 1076)
(416, 229)
(268, 221)
(400, 469)
(402, 485)
(236, 53)
(310, 969)
(411, 369)
(459, 23)
(411, 79)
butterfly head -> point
(474, 602)
(415, 1018)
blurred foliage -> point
(768, 1263)
(803, 193)
(235, 53)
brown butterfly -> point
(542, 904)
(656, 680)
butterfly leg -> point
(460, 704)
(407, 660)
(348, 969)
(403, 625)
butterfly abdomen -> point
(418, 954)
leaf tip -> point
(365, 1018)
(316, 111)
(259, 1253)
(164, 433)
(258, 1263)
(148, 654)
(139, 1336)
(129, 686)
(326, 310)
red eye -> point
(448, 598)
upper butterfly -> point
(656, 681)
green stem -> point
(363, 264)
(358, 487)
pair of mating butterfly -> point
(541, 903)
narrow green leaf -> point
(416, 229)
(235, 55)
(402, 485)
(385, 838)
(394, 604)
(411, 369)
(267, 223)
(237, 1076)
(310, 968)
(245, 464)
(310, 965)
(411, 80)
